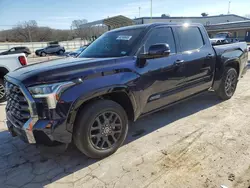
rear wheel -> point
(228, 84)
(60, 52)
(2, 91)
(101, 128)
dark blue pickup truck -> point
(125, 74)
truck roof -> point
(148, 26)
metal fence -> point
(33, 46)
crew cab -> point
(125, 74)
(9, 63)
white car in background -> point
(9, 63)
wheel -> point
(101, 128)
(228, 84)
(60, 52)
(43, 54)
(2, 91)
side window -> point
(12, 49)
(190, 38)
(161, 35)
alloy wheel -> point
(106, 130)
(2, 91)
(230, 84)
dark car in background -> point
(52, 49)
(77, 52)
(17, 50)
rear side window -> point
(190, 38)
(161, 35)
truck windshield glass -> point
(113, 44)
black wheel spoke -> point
(109, 144)
(113, 137)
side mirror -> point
(159, 50)
(155, 51)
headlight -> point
(50, 91)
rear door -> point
(198, 56)
(161, 78)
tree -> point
(24, 31)
(43, 34)
(204, 14)
(165, 15)
(76, 27)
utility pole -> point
(139, 12)
(228, 12)
(151, 11)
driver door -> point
(162, 78)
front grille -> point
(17, 108)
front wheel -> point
(43, 54)
(101, 128)
(228, 84)
(2, 91)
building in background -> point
(240, 29)
(237, 25)
(206, 20)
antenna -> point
(139, 12)
(228, 12)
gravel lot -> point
(203, 142)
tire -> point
(228, 83)
(93, 143)
(43, 54)
(60, 52)
(2, 91)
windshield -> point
(113, 44)
(221, 35)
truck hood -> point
(66, 69)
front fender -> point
(76, 96)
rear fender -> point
(220, 68)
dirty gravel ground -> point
(203, 142)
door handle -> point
(178, 62)
(209, 56)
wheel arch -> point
(3, 72)
(235, 63)
(120, 94)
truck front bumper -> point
(33, 130)
(42, 132)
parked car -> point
(77, 52)
(17, 50)
(53, 49)
(223, 38)
(9, 63)
(125, 74)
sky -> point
(60, 13)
